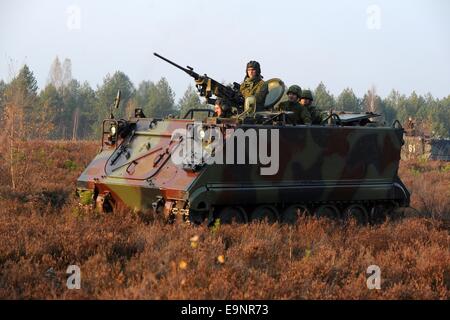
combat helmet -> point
(255, 65)
(295, 89)
(306, 94)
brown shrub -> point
(429, 184)
(131, 256)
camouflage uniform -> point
(255, 87)
(301, 115)
(316, 115)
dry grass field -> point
(132, 256)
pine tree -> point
(21, 95)
(18, 115)
(50, 107)
(322, 98)
(86, 118)
(106, 94)
(347, 101)
(190, 100)
(142, 93)
(161, 100)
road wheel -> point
(357, 212)
(264, 212)
(328, 211)
(290, 214)
(378, 214)
(230, 214)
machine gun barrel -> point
(208, 86)
(188, 70)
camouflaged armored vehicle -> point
(252, 166)
(419, 144)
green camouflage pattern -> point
(321, 167)
(301, 115)
(316, 114)
(306, 94)
(255, 87)
(295, 89)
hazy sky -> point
(391, 44)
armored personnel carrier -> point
(253, 166)
(420, 144)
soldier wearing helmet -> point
(301, 115)
(222, 109)
(254, 85)
(306, 99)
(218, 111)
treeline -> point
(430, 112)
(68, 109)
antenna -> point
(116, 103)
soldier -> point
(254, 85)
(306, 99)
(409, 127)
(218, 108)
(222, 109)
(410, 124)
(301, 115)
